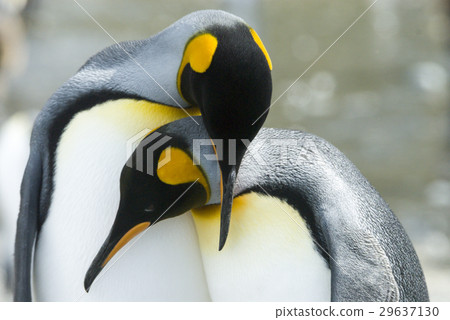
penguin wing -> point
(27, 225)
(360, 270)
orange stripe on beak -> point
(125, 239)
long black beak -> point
(229, 167)
(121, 233)
(228, 180)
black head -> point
(159, 181)
(231, 84)
(236, 87)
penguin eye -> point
(150, 208)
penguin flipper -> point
(361, 271)
(27, 224)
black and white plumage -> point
(70, 188)
(305, 224)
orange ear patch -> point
(261, 46)
(176, 167)
(198, 53)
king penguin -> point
(210, 63)
(306, 225)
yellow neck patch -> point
(261, 46)
(176, 167)
(253, 216)
(136, 114)
(198, 53)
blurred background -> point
(380, 93)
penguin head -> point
(226, 72)
(164, 177)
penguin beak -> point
(229, 173)
(228, 179)
(121, 233)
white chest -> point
(269, 254)
(163, 265)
